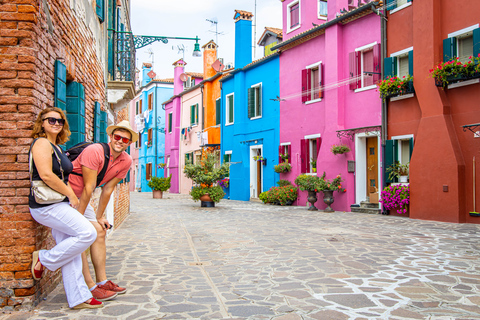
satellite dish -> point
(184, 77)
(218, 66)
(151, 74)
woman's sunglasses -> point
(124, 140)
(52, 121)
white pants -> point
(73, 234)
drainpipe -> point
(156, 130)
(384, 136)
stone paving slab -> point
(246, 260)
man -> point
(83, 181)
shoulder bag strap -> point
(30, 159)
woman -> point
(72, 232)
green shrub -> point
(162, 184)
(282, 195)
(307, 182)
(263, 197)
(216, 193)
(283, 183)
(282, 167)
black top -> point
(67, 168)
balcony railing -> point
(124, 66)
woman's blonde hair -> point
(38, 131)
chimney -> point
(209, 57)
(177, 82)
(243, 38)
(146, 68)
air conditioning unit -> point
(188, 83)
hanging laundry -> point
(204, 138)
(146, 116)
(199, 136)
(139, 122)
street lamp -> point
(196, 49)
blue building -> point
(150, 115)
(250, 116)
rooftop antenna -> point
(151, 54)
(180, 48)
(214, 22)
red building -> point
(430, 127)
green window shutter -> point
(103, 126)
(101, 10)
(449, 49)
(391, 4)
(96, 122)
(192, 115)
(230, 109)
(225, 158)
(196, 114)
(410, 62)
(218, 111)
(170, 122)
(60, 84)
(259, 100)
(75, 110)
(390, 156)
(476, 42)
(411, 147)
(251, 102)
(390, 67)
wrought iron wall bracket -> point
(350, 133)
(471, 127)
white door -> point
(256, 171)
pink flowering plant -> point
(444, 72)
(397, 196)
(224, 182)
(334, 184)
(394, 86)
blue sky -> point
(187, 18)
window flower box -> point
(394, 86)
(454, 71)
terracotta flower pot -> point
(206, 197)
(157, 194)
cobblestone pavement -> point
(246, 260)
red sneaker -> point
(93, 304)
(103, 295)
(110, 286)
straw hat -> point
(123, 125)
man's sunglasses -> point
(124, 140)
(52, 121)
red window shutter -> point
(305, 85)
(377, 55)
(289, 150)
(320, 81)
(303, 155)
(319, 142)
(358, 59)
(280, 152)
(352, 64)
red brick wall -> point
(27, 55)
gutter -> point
(368, 6)
(251, 65)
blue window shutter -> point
(103, 127)
(449, 49)
(75, 109)
(60, 84)
(476, 42)
(101, 10)
(96, 122)
(410, 62)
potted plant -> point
(260, 159)
(309, 183)
(161, 165)
(313, 162)
(328, 187)
(284, 157)
(206, 177)
(159, 185)
(397, 196)
(398, 170)
(282, 167)
(339, 149)
(454, 71)
(224, 183)
(395, 86)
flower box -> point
(454, 71)
(408, 89)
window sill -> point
(463, 83)
(366, 88)
(228, 124)
(322, 18)
(293, 29)
(313, 101)
(311, 173)
(255, 118)
(404, 96)
(408, 4)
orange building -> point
(430, 126)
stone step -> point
(365, 204)
(365, 210)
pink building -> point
(327, 86)
(182, 80)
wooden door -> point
(372, 165)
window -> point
(140, 106)
(148, 171)
(150, 101)
(100, 10)
(322, 9)
(255, 101)
(136, 107)
(285, 153)
(309, 149)
(150, 137)
(312, 83)
(399, 64)
(229, 109)
(170, 118)
(194, 115)
(462, 44)
(399, 149)
(198, 156)
(227, 158)
(364, 67)
(293, 16)
(218, 115)
(189, 158)
(396, 5)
